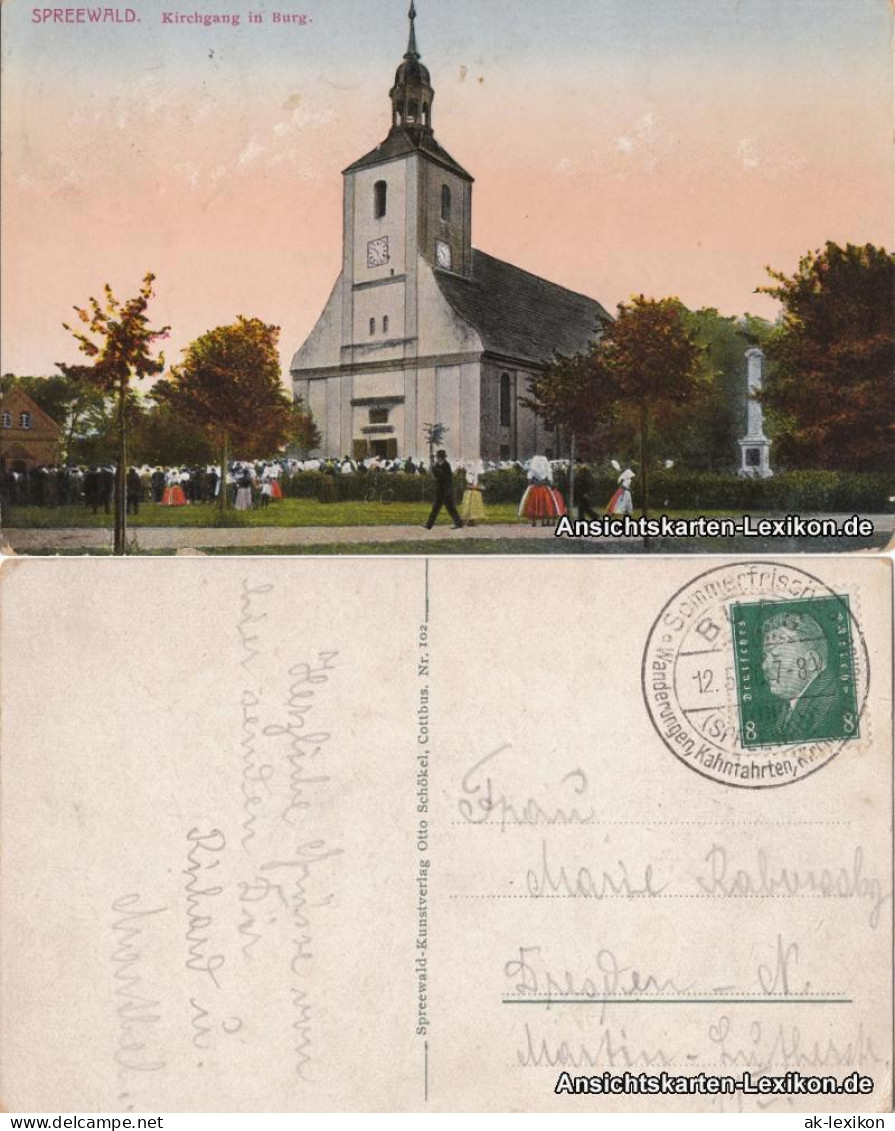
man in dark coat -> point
(134, 490)
(444, 491)
(584, 493)
(91, 489)
(106, 488)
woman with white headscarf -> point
(542, 502)
(173, 496)
(472, 505)
(621, 502)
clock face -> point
(377, 252)
(442, 254)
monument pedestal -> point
(755, 453)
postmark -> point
(755, 674)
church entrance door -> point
(384, 449)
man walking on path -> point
(444, 491)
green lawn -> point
(285, 513)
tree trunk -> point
(222, 482)
(571, 505)
(120, 500)
(644, 463)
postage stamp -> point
(795, 671)
(756, 674)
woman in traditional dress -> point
(244, 490)
(173, 496)
(270, 484)
(542, 502)
(621, 502)
(472, 505)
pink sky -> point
(661, 147)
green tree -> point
(653, 363)
(704, 435)
(74, 405)
(229, 385)
(163, 436)
(118, 338)
(573, 395)
(830, 392)
(304, 435)
(434, 434)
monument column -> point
(754, 445)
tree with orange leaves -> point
(119, 339)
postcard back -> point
(405, 834)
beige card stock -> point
(395, 834)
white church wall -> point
(447, 405)
(322, 347)
(470, 411)
(425, 408)
(389, 384)
(441, 331)
(334, 390)
(458, 406)
(367, 227)
(316, 401)
(377, 304)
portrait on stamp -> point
(806, 688)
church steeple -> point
(412, 52)
(412, 95)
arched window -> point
(505, 407)
(445, 202)
(413, 110)
(372, 325)
(6, 420)
(380, 199)
(385, 324)
(426, 113)
(24, 419)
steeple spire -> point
(412, 93)
(412, 52)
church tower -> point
(419, 327)
(407, 197)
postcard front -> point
(458, 835)
(602, 255)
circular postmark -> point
(755, 674)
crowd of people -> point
(180, 486)
(260, 483)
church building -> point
(422, 328)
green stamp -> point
(795, 671)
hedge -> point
(398, 487)
(791, 492)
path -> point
(154, 538)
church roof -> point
(401, 143)
(518, 314)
